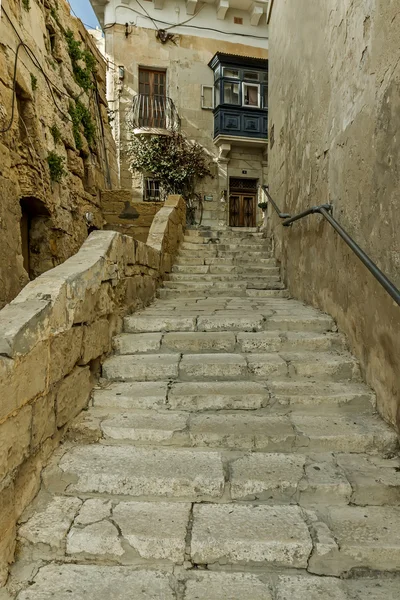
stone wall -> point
(121, 213)
(186, 63)
(43, 221)
(53, 337)
(334, 114)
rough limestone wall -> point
(53, 337)
(334, 111)
(117, 207)
(42, 124)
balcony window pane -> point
(251, 94)
(217, 72)
(265, 96)
(217, 93)
(232, 73)
(231, 93)
(252, 75)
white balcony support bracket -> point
(222, 9)
(256, 11)
(159, 4)
(191, 6)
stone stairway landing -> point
(231, 451)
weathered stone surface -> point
(22, 325)
(128, 343)
(217, 396)
(131, 395)
(93, 510)
(65, 351)
(199, 342)
(143, 324)
(156, 530)
(238, 322)
(263, 366)
(124, 470)
(96, 539)
(149, 427)
(366, 537)
(242, 431)
(50, 524)
(142, 367)
(73, 394)
(89, 582)
(310, 588)
(96, 340)
(226, 586)
(262, 535)
(213, 366)
(15, 438)
(269, 477)
(43, 419)
(374, 480)
(380, 588)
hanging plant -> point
(178, 163)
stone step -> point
(226, 241)
(225, 269)
(223, 277)
(94, 582)
(189, 259)
(225, 341)
(126, 470)
(250, 431)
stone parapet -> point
(54, 336)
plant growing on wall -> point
(56, 166)
(83, 75)
(81, 118)
(174, 160)
(26, 4)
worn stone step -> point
(141, 367)
(349, 537)
(146, 324)
(275, 341)
(126, 470)
(216, 269)
(150, 395)
(204, 396)
(250, 535)
(213, 367)
(199, 342)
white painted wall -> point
(204, 23)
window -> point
(152, 190)
(232, 73)
(231, 93)
(252, 75)
(265, 96)
(207, 97)
(251, 94)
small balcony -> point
(154, 115)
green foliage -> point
(34, 82)
(81, 117)
(55, 132)
(83, 76)
(26, 4)
(54, 12)
(56, 166)
(175, 161)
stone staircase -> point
(231, 452)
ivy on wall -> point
(83, 74)
(178, 163)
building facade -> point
(200, 68)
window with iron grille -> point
(152, 190)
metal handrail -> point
(155, 112)
(326, 211)
(280, 214)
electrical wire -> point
(75, 15)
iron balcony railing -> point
(155, 112)
(326, 211)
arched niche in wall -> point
(36, 226)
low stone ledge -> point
(53, 337)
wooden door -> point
(242, 210)
(153, 98)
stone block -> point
(213, 366)
(90, 582)
(250, 535)
(7, 528)
(22, 326)
(23, 378)
(132, 395)
(145, 323)
(43, 419)
(156, 530)
(147, 428)
(226, 586)
(199, 396)
(96, 540)
(96, 340)
(72, 395)
(65, 351)
(141, 367)
(141, 472)
(199, 342)
(131, 343)
(15, 439)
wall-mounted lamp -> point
(121, 72)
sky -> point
(84, 11)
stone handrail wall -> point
(53, 337)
